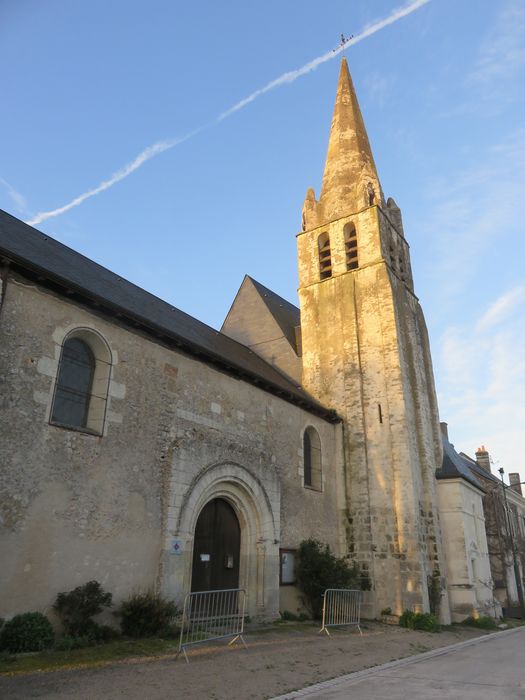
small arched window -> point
(325, 257)
(351, 247)
(82, 383)
(312, 467)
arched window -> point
(82, 382)
(351, 247)
(325, 258)
(312, 468)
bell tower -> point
(366, 354)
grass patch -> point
(91, 656)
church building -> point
(146, 450)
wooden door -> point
(216, 548)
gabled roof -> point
(286, 315)
(456, 467)
(55, 265)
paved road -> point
(488, 668)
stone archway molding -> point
(240, 486)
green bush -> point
(386, 611)
(318, 569)
(169, 632)
(77, 607)
(146, 614)
(426, 622)
(30, 631)
(288, 616)
(483, 622)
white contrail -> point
(142, 157)
(312, 65)
(285, 78)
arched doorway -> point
(216, 548)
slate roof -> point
(476, 469)
(454, 466)
(285, 314)
(55, 265)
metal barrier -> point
(341, 607)
(209, 615)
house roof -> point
(477, 470)
(286, 315)
(55, 265)
(456, 467)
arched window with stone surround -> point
(351, 247)
(82, 382)
(312, 465)
(325, 256)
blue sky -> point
(89, 86)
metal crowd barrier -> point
(210, 615)
(341, 607)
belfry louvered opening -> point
(325, 256)
(351, 247)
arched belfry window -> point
(350, 234)
(325, 257)
(82, 382)
(312, 466)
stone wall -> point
(366, 354)
(77, 506)
(468, 566)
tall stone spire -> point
(350, 180)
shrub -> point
(288, 616)
(30, 631)
(318, 569)
(77, 607)
(426, 622)
(146, 614)
(169, 632)
(482, 622)
(386, 611)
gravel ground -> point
(278, 659)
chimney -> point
(444, 429)
(514, 480)
(483, 458)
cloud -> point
(482, 373)
(501, 309)
(460, 229)
(285, 78)
(18, 199)
(502, 53)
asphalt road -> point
(488, 668)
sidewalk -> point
(487, 668)
(279, 659)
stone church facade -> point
(131, 432)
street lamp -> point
(517, 574)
